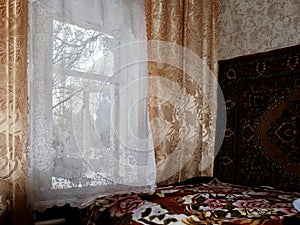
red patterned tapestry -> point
(262, 138)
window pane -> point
(81, 100)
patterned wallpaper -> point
(251, 26)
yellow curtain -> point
(13, 111)
(187, 121)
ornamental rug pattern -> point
(262, 137)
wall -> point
(251, 26)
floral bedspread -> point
(212, 203)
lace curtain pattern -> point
(187, 120)
(13, 112)
(88, 92)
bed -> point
(203, 203)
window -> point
(83, 91)
(89, 130)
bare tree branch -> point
(68, 98)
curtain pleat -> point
(13, 112)
(184, 125)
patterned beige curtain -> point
(13, 111)
(185, 125)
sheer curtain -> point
(89, 132)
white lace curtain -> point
(89, 132)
